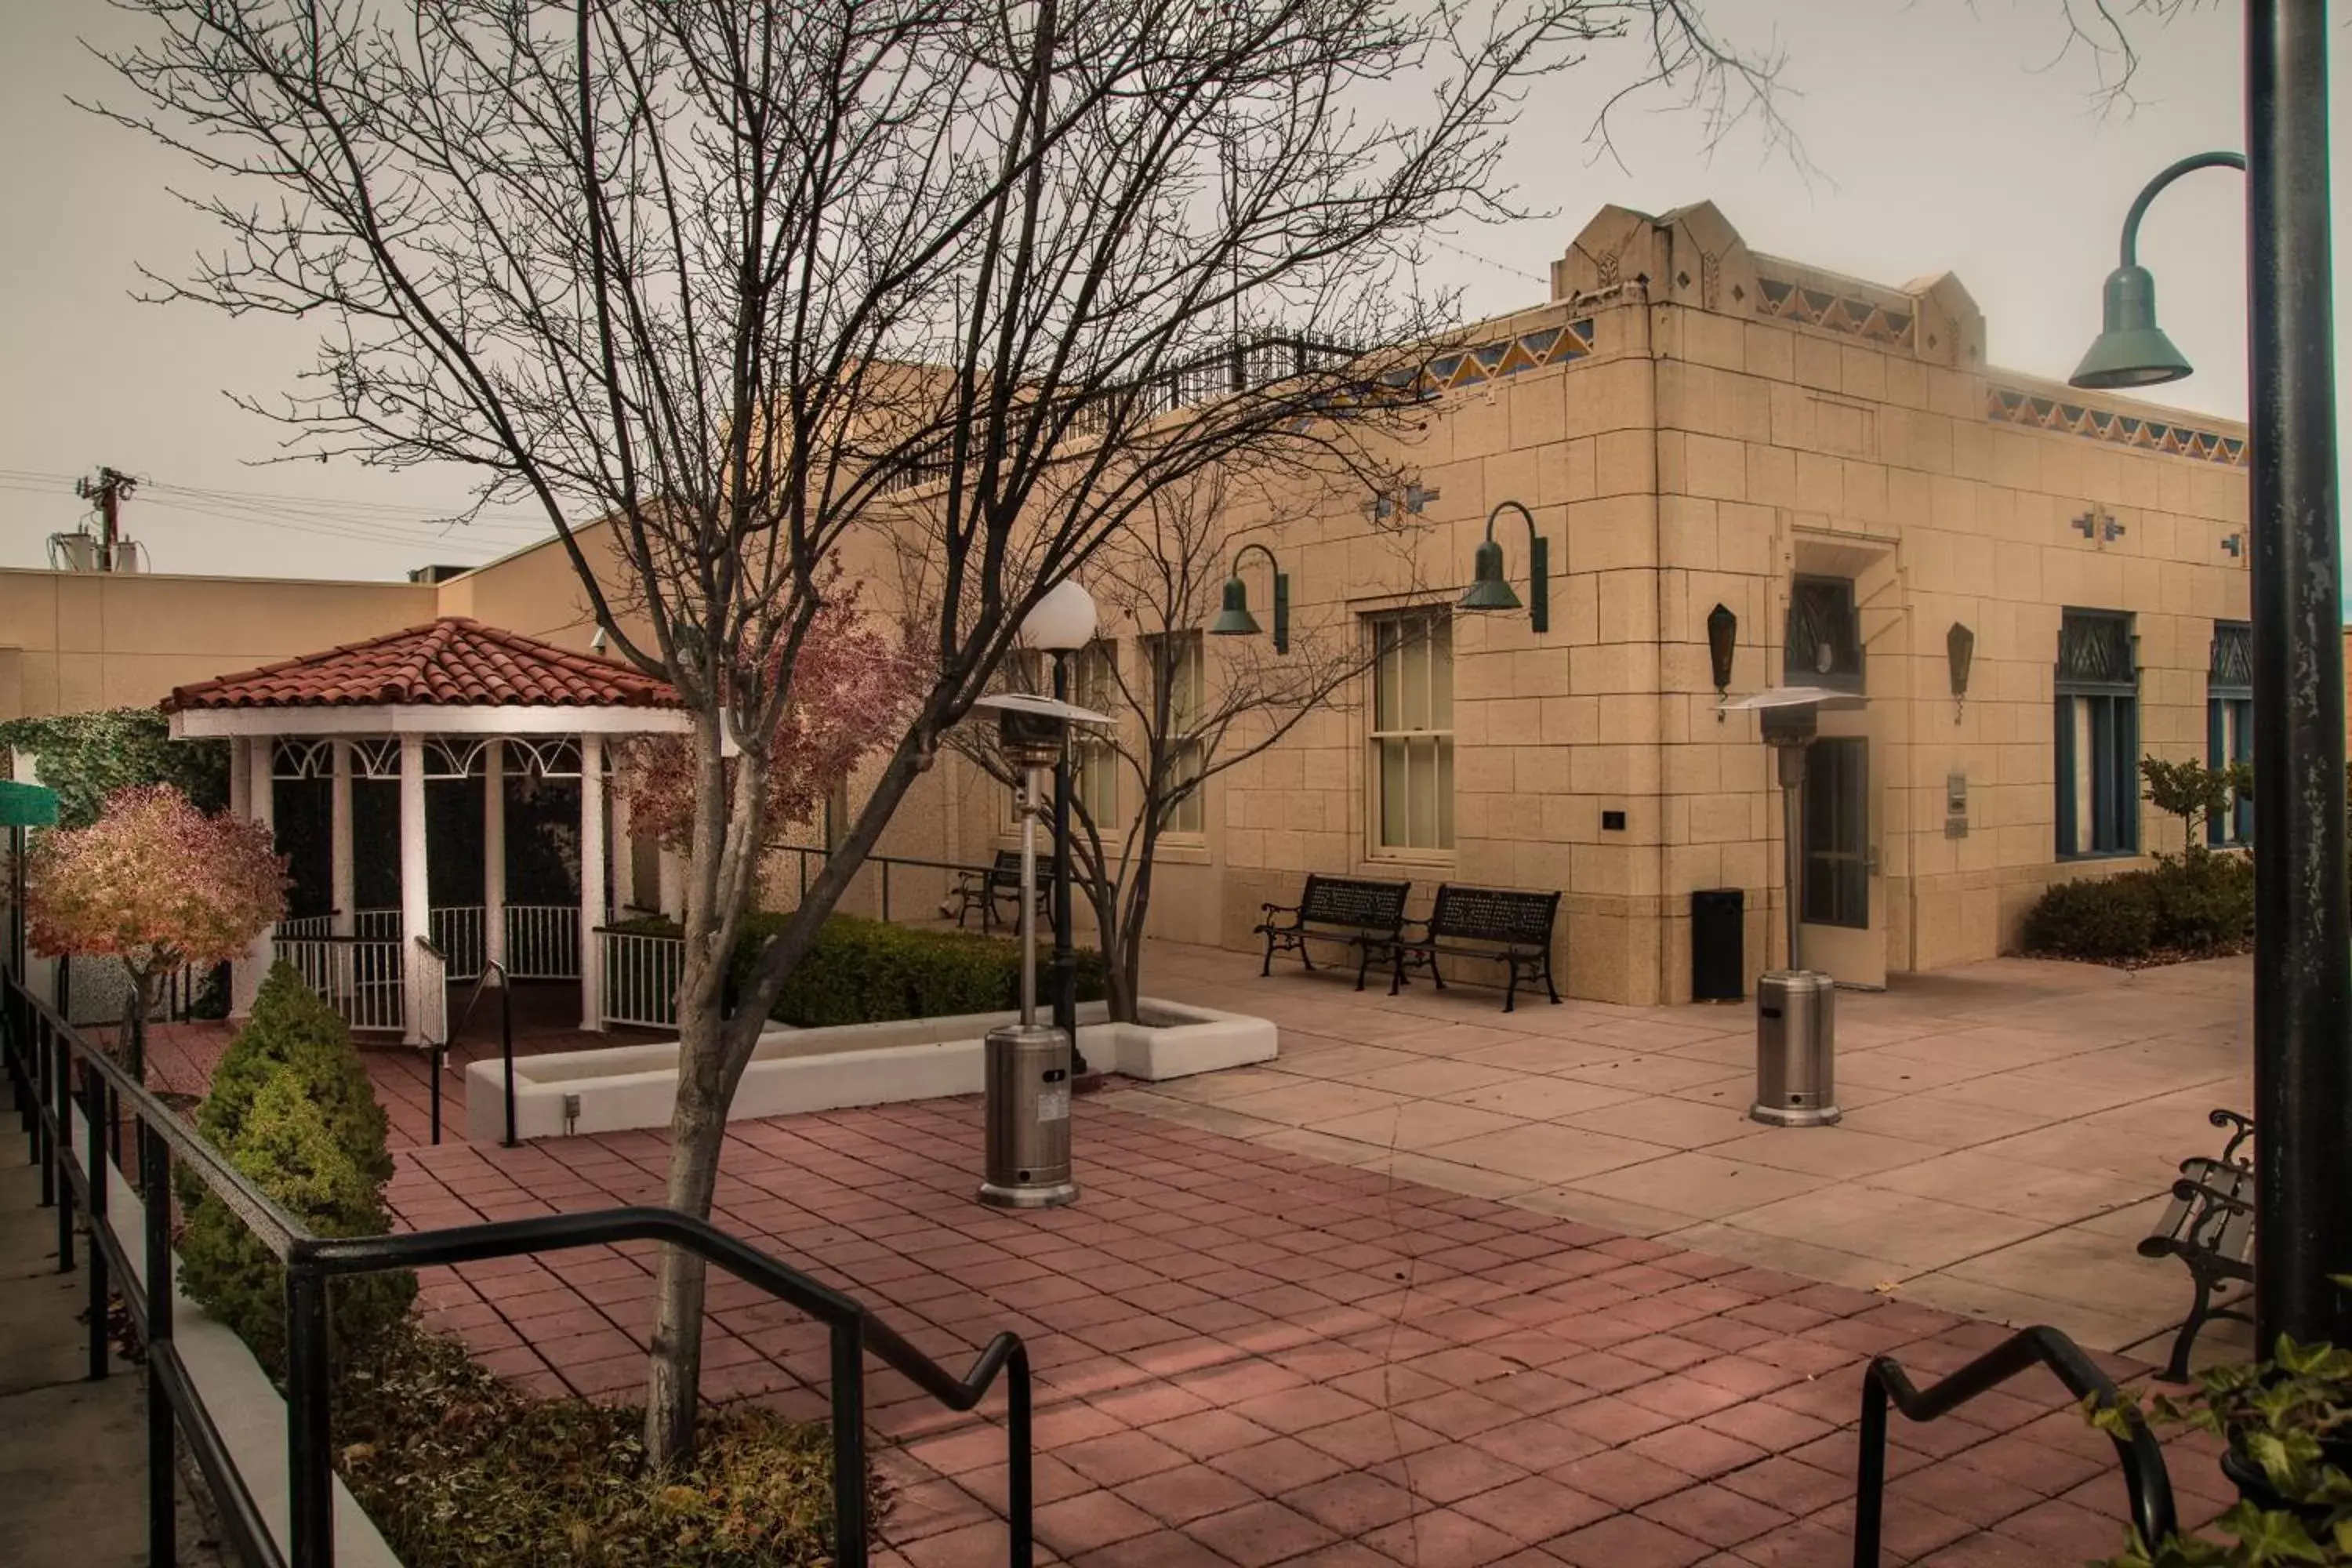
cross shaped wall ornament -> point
(2098, 524)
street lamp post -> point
(1061, 622)
(2302, 948)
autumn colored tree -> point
(852, 687)
(157, 884)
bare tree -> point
(742, 277)
(1186, 710)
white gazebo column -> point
(494, 853)
(244, 974)
(416, 886)
(592, 881)
(624, 860)
(344, 876)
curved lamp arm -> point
(1539, 565)
(1281, 591)
(2187, 165)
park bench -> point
(1502, 924)
(999, 885)
(2209, 1226)
(1354, 911)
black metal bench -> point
(1502, 924)
(983, 890)
(1362, 913)
(2209, 1226)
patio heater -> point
(1796, 1008)
(1028, 1063)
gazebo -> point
(471, 708)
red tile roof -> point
(453, 662)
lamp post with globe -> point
(1060, 623)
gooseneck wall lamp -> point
(1491, 590)
(1236, 621)
(2131, 350)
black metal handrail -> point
(46, 1058)
(2145, 1476)
(506, 1041)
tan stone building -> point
(1691, 425)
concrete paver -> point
(2009, 1127)
(1246, 1355)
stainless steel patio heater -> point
(1796, 1008)
(1028, 1063)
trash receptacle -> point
(1718, 944)
(1028, 1067)
(1796, 1049)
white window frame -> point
(1402, 726)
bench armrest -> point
(970, 881)
(1279, 908)
(1406, 929)
(2239, 1129)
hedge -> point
(2188, 905)
(866, 971)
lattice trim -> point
(303, 759)
(1853, 317)
(2007, 406)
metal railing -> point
(301, 926)
(2146, 1479)
(56, 1072)
(542, 941)
(641, 975)
(506, 1044)
(358, 975)
(1244, 364)
(882, 865)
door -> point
(1842, 925)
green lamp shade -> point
(2131, 350)
(1487, 589)
(1234, 620)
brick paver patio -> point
(1248, 1356)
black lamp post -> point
(2302, 948)
(1234, 620)
(1490, 590)
(1722, 643)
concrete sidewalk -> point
(73, 1453)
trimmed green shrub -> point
(868, 972)
(2204, 902)
(291, 1108)
(293, 1027)
(2098, 918)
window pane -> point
(1421, 821)
(2086, 755)
(1412, 712)
(1446, 792)
(1392, 794)
(1440, 673)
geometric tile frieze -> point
(2009, 405)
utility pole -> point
(108, 490)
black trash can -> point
(1718, 940)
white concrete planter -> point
(827, 1069)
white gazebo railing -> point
(307, 926)
(641, 975)
(542, 941)
(433, 1003)
(362, 976)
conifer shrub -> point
(292, 1109)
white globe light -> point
(1062, 620)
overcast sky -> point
(1939, 136)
